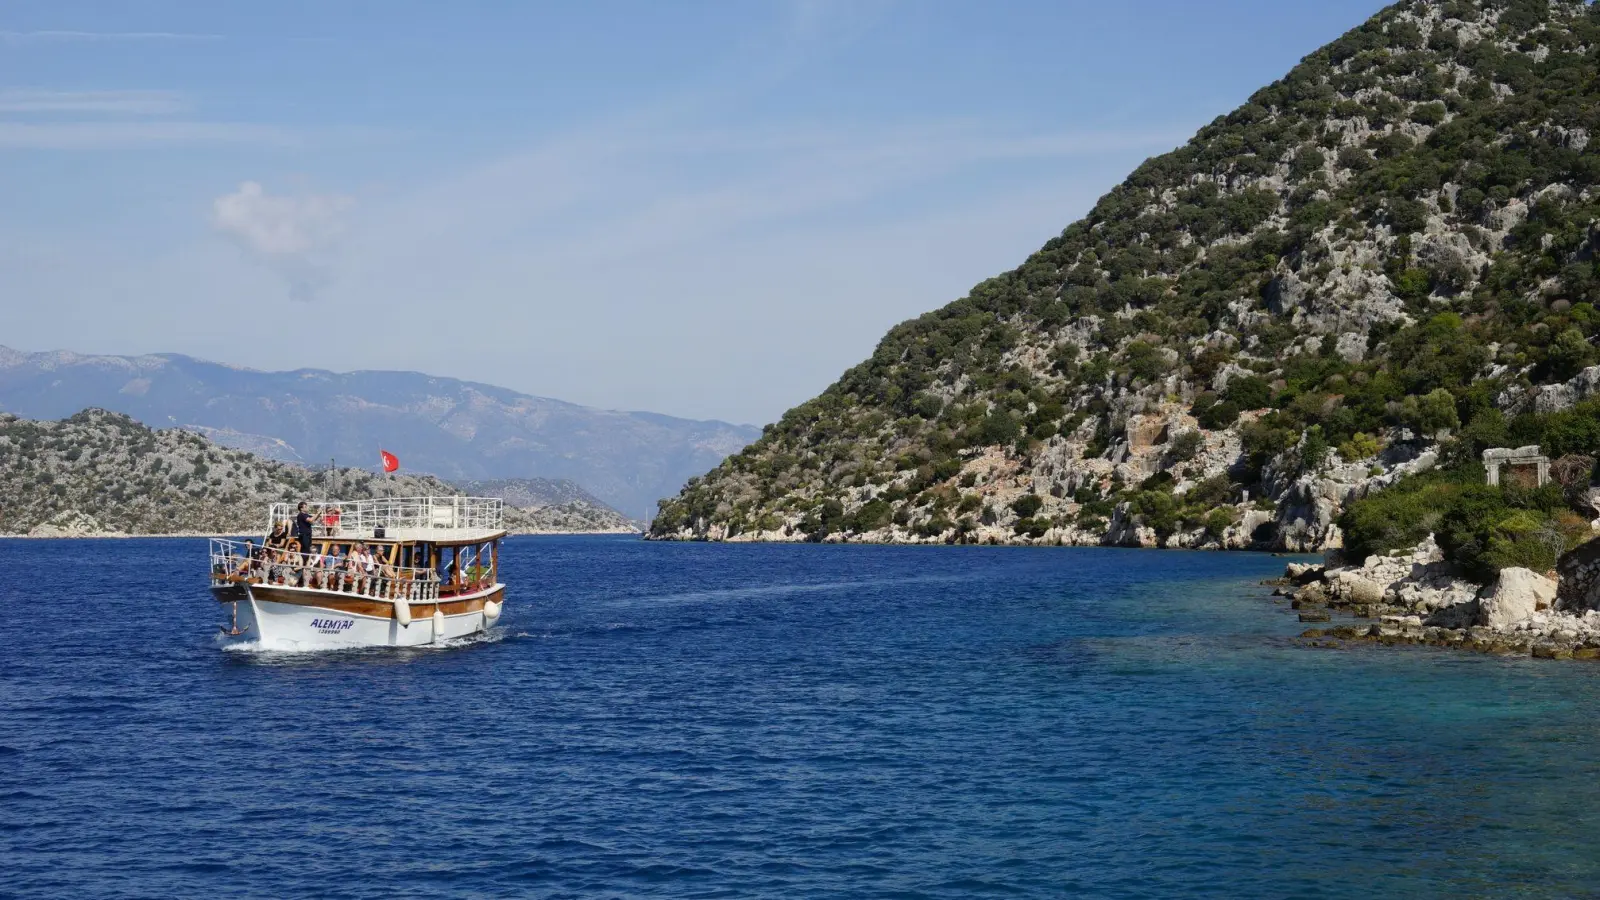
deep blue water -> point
(774, 721)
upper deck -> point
(439, 520)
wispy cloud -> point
(292, 235)
(43, 119)
(630, 189)
(128, 103)
(130, 135)
(30, 37)
(779, 250)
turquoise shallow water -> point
(751, 721)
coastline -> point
(118, 535)
(1419, 597)
(996, 537)
(114, 535)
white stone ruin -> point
(1530, 455)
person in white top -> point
(354, 565)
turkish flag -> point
(390, 461)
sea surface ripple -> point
(779, 721)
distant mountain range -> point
(457, 430)
(532, 492)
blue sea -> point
(671, 720)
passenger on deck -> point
(282, 571)
(388, 575)
(375, 569)
(363, 566)
(279, 537)
(318, 571)
(308, 570)
(335, 563)
(302, 527)
(352, 568)
(241, 563)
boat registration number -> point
(332, 626)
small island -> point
(103, 474)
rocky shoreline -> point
(1297, 512)
(118, 535)
(1418, 597)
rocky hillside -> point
(1378, 266)
(104, 473)
(450, 428)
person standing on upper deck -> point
(302, 527)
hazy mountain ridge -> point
(99, 472)
(526, 492)
(1385, 260)
(447, 427)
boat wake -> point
(752, 592)
(255, 649)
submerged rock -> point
(1311, 595)
(1303, 573)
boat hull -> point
(278, 617)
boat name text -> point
(332, 626)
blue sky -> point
(707, 209)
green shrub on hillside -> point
(1186, 446)
(1248, 392)
(1482, 527)
(1027, 505)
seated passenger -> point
(361, 567)
(374, 569)
(317, 571)
(334, 564)
(260, 562)
(385, 572)
(280, 570)
(241, 562)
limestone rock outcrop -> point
(1558, 397)
(1516, 595)
(70, 523)
(1422, 599)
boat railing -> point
(364, 518)
(244, 562)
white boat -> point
(432, 576)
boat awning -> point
(438, 536)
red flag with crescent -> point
(390, 461)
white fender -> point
(402, 612)
(491, 610)
(438, 624)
